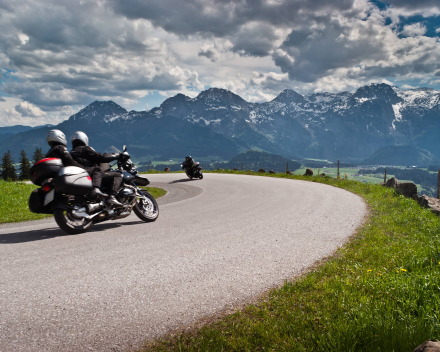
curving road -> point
(218, 242)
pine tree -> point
(25, 165)
(38, 155)
(8, 168)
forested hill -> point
(255, 160)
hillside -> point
(408, 155)
(255, 160)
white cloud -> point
(29, 110)
(413, 30)
(29, 115)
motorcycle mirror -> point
(124, 148)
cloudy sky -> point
(57, 56)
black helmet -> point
(55, 137)
(188, 157)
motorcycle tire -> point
(146, 212)
(69, 224)
(201, 176)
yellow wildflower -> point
(404, 270)
(369, 271)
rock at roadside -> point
(219, 169)
(323, 175)
(271, 171)
(262, 171)
(408, 189)
(167, 169)
(234, 169)
(289, 172)
(431, 203)
(392, 183)
(428, 346)
(309, 172)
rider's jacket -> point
(87, 156)
(188, 163)
(61, 152)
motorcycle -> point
(193, 171)
(65, 193)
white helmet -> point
(80, 137)
(54, 137)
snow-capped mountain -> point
(348, 126)
(322, 125)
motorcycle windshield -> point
(110, 150)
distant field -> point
(366, 178)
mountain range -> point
(346, 126)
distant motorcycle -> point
(65, 193)
(192, 168)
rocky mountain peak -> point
(99, 109)
(177, 100)
(219, 95)
(288, 96)
(380, 91)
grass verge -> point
(380, 292)
(155, 192)
(14, 198)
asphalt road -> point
(218, 242)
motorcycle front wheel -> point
(70, 224)
(201, 176)
(146, 209)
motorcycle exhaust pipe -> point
(94, 207)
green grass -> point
(14, 201)
(380, 292)
(155, 192)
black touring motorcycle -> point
(65, 193)
(193, 171)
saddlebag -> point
(36, 202)
(44, 169)
(73, 180)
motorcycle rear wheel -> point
(69, 224)
(147, 211)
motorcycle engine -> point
(126, 195)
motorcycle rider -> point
(188, 163)
(89, 158)
(57, 141)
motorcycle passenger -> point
(57, 142)
(90, 159)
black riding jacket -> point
(188, 163)
(60, 151)
(88, 157)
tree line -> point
(8, 171)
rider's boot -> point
(112, 200)
(97, 192)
